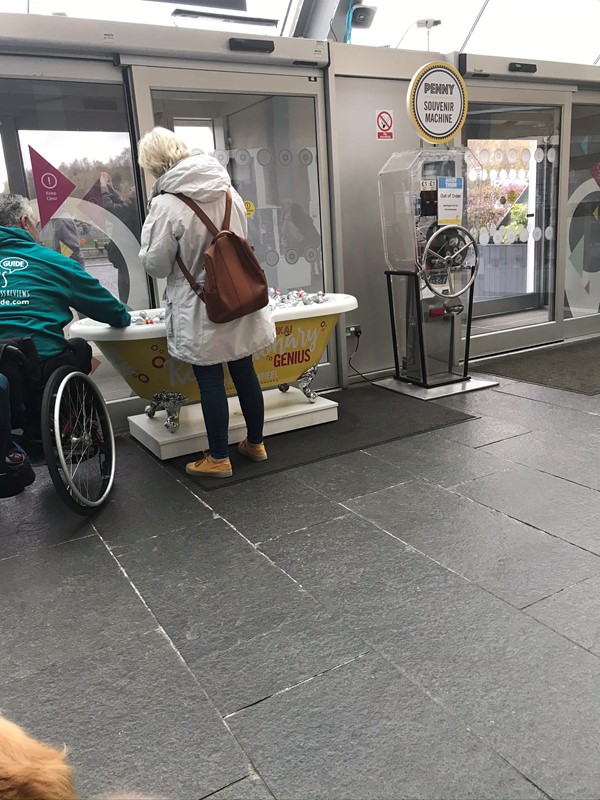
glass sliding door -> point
(265, 130)
(517, 148)
(517, 212)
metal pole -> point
(477, 18)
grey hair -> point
(12, 208)
(159, 150)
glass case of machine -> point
(432, 261)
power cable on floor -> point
(351, 365)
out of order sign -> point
(437, 102)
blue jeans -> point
(211, 381)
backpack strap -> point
(227, 217)
(199, 213)
(196, 288)
(211, 227)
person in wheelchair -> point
(16, 471)
(39, 287)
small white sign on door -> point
(450, 201)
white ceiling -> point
(523, 29)
(156, 13)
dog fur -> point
(30, 770)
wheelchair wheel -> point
(78, 440)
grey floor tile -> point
(574, 613)
(251, 788)
(63, 601)
(556, 397)
(365, 731)
(556, 453)
(350, 475)
(438, 460)
(487, 376)
(276, 504)
(484, 546)
(523, 411)
(37, 518)
(556, 506)
(131, 457)
(355, 569)
(481, 431)
(311, 641)
(206, 584)
(148, 503)
(134, 720)
(506, 675)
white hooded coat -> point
(171, 226)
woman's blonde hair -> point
(159, 150)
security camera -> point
(362, 16)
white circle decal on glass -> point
(484, 156)
(472, 175)
(498, 156)
(512, 155)
(305, 157)
(492, 228)
(521, 174)
(474, 233)
(503, 174)
(272, 258)
(549, 232)
(524, 234)
(311, 254)
(511, 236)
(264, 157)
(498, 237)
(484, 236)
(512, 174)
(539, 155)
(526, 155)
(537, 234)
(551, 155)
(484, 174)
(493, 174)
(222, 157)
(242, 157)
(285, 157)
(291, 256)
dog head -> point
(30, 770)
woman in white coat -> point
(172, 228)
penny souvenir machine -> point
(431, 255)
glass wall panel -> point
(78, 139)
(582, 276)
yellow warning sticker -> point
(250, 208)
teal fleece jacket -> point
(38, 287)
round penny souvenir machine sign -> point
(437, 102)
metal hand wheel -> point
(445, 254)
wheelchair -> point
(63, 408)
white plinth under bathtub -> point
(284, 411)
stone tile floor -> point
(417, 620)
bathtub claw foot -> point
(171, 402)
(305, 380)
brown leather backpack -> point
(235, 284)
